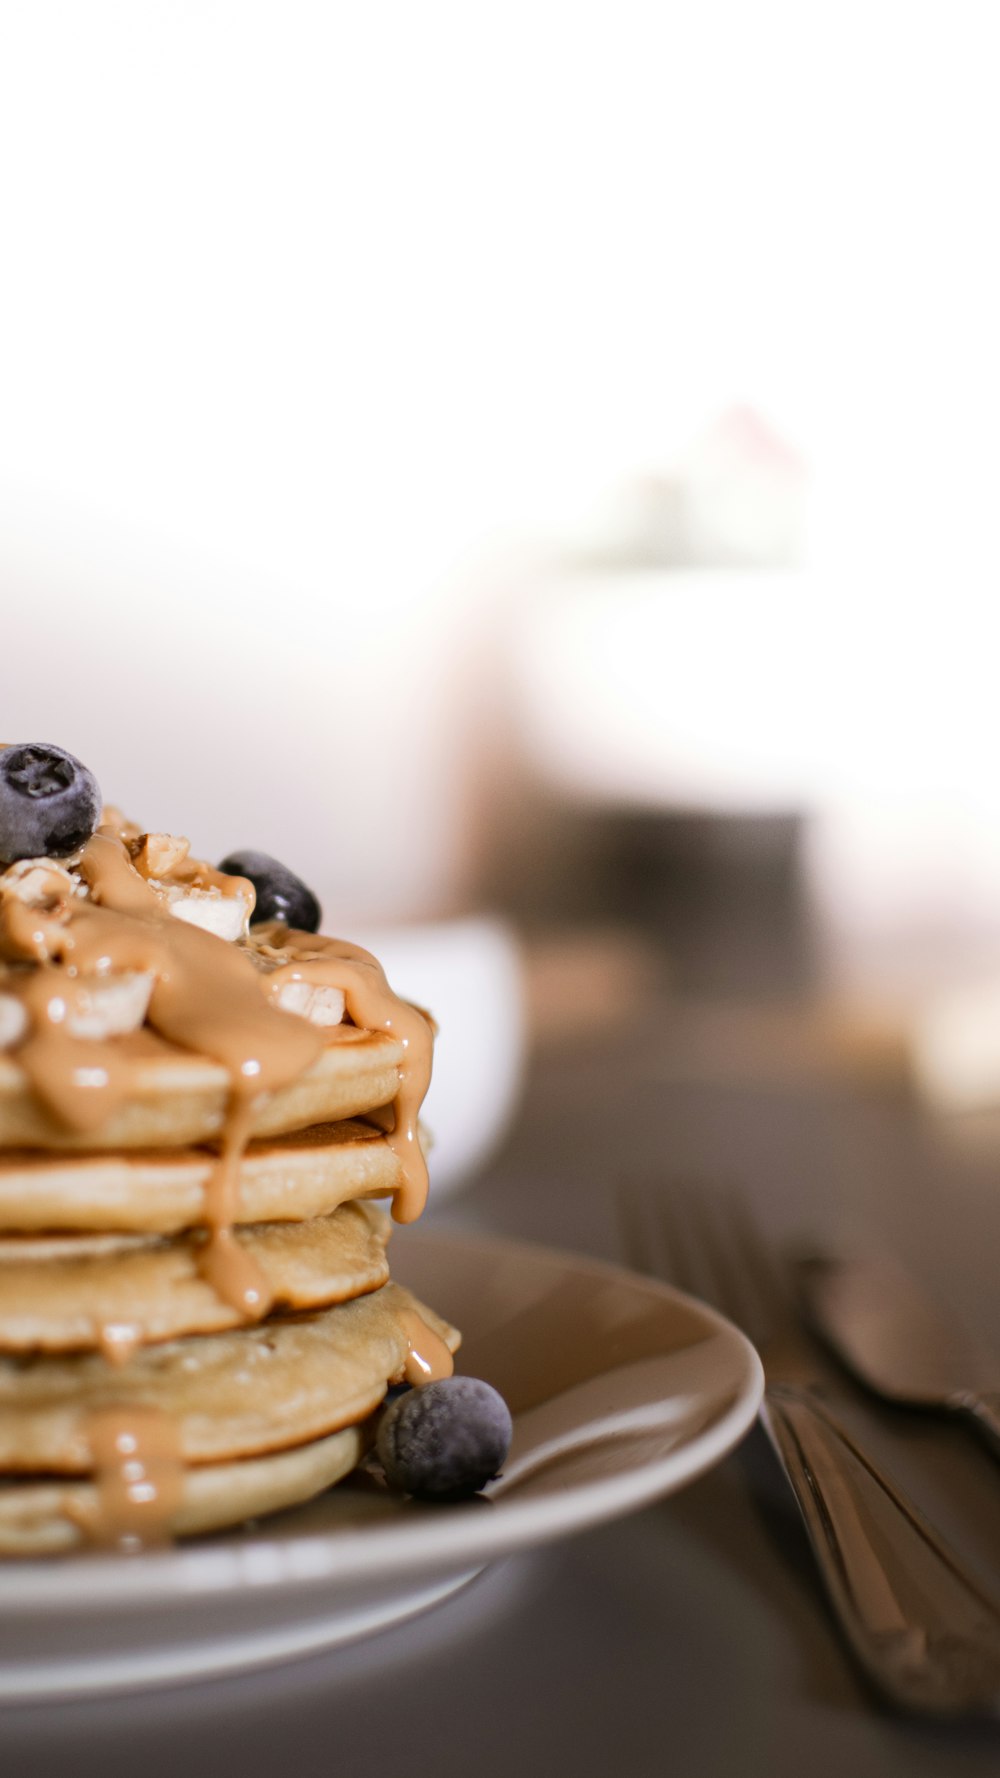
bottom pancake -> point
(49, 1517)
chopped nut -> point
(114, 821)
(158, 854)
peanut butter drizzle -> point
(225, 1264)
(139, 1475)
(209, 998)
(333, 963)
(117, 1341)
(427, 1358)
(206, 998)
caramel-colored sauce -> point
(235, 1276)
(428, 1358)
(231, 1271)
(210, 998)
(371, 1004)
(206, 994)
(139, 1475)
(117, 1340)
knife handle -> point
(925, 1635)
(984, 1406)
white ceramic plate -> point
(621, 1390)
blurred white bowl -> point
(468, 974)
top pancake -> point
(179, 1098)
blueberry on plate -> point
(445, 1440)
(50, 803)
(281, 895)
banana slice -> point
(100, 1006)
(228, 916)
(13, 1021)
(313, 1001)
(109, 1005)
(158, 854)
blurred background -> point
(534, 470)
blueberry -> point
(49, 802)
(445, 1440)
(281, 895)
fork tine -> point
(709, 1244)
(734, 1294)
(636, 1237)
(651, 1237)
(766, 1276)
(691, 1258)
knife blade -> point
(898, 1340)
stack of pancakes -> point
(146, 1389)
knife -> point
(898, 1340)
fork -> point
(924, 1633)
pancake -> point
(116, 1292)
(47, 1518)
(277, 1383)
(162, 1191)
(178, 1097)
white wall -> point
(304, 305)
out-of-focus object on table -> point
(790, 1044)
(468, 974)
(585, 981)
(800, 692)
(956, 1047)
(735, 497)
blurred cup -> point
(468, 974)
